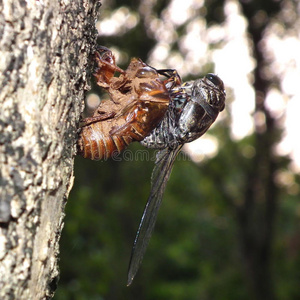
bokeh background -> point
(229, 223)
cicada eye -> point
(215, 80)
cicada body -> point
(138, 102)
(194, 107)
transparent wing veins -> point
(160, 175)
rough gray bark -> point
(44, 58)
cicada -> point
(138, 102)
(194, 107)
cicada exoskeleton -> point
(138, 102)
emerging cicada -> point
(138, 102)
(161, 114)
(194, 107)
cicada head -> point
(211, 90)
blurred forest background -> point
(229, 223)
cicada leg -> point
(173, 78)
(106, 54)
(98, 118)
(106, 66)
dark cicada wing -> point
(160, 175)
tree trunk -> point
(261, 195)
(45, 48)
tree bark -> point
(45, 48)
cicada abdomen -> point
(96, 143)
(138, 102)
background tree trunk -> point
(45, 48)
(261, 195)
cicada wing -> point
(160, 175)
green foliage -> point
(193, 253)
(102, 216)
